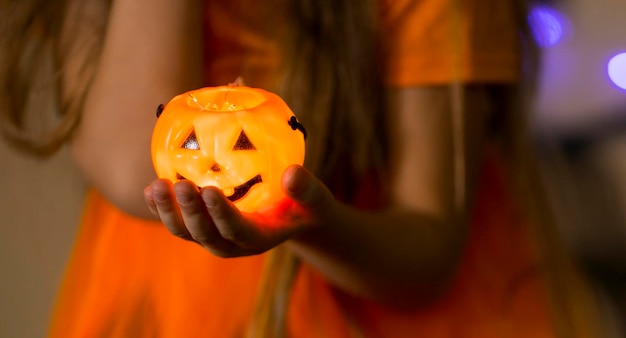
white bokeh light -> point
(617, 70)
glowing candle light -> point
(617, 70)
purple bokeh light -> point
(548, 25)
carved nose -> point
(215, 167)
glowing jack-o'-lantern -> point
(237, 138)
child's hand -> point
(210, 219)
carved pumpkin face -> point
(237, 138)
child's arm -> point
(152, 51)
(393, 255)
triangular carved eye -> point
(243, 142)
(191, 142)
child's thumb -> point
(305, 189)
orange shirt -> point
(131, 278)
(434, 42)
(426, 42)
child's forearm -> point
(152, 51)
(395, 256)
(407, 251)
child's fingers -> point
(229, 221)
(147, 196)
(167, 208)
(199, 223)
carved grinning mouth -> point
(241, 190)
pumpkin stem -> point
(238, 82)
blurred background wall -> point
(581, 133)
(40, 202)
(580, 128)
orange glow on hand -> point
(236, 138)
